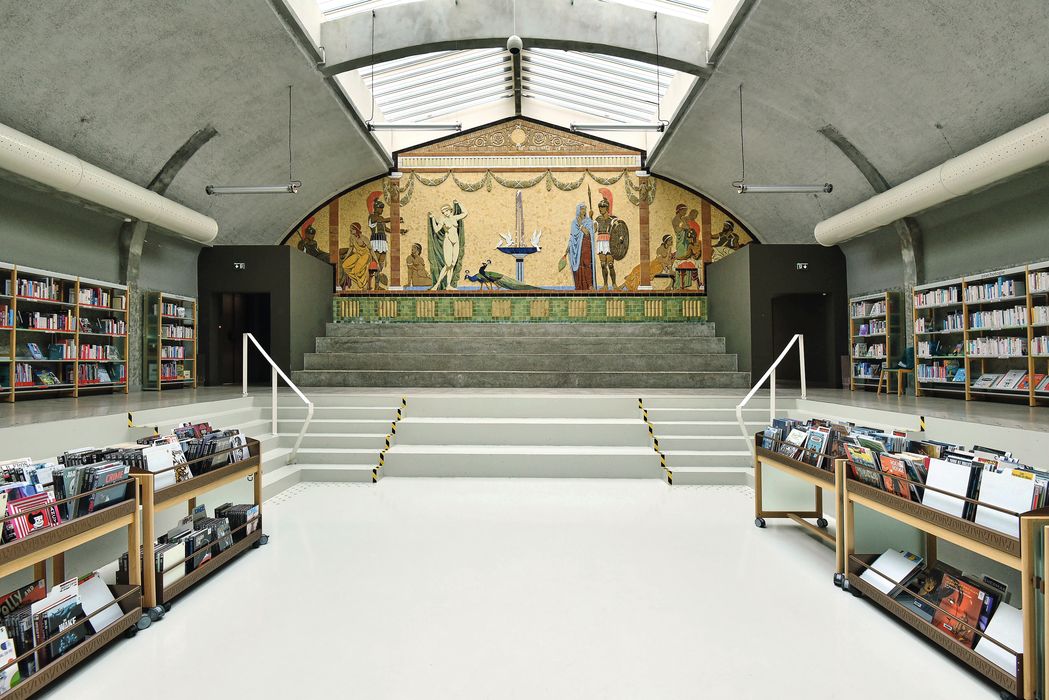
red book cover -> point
(895, 475)
(959, 609)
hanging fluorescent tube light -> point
(290, 188)
(619, 127)
(414, 127)
(742, 188)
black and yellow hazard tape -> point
(389, 439)
(670, 477)
(375, 475)
(921, 422)
(655, 442)
(131, 424)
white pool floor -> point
(524, 589)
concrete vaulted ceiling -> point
(123, 86)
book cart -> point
(990, 323)
(81, 332)
(827, 478)
(874, 323)
(52, 543)
(156, 597)
(169, 341)
(1019, 553)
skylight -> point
(689, 9)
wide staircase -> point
(521, 355)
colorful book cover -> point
(960, 605)
(895, 479)
(22, 596)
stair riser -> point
(654, 403)
(333, 413)
(522, 362)
(713, 477)
(522, 330)
(711, 461)
(521, 434)
(529, 380)
(341, 442)
(390, 400)
(349, 475)
(530, 466)
(676, 429)
(358, 460)
(657, 415)
(274, 485)
(496, 406)
(719, 443)
(484, 343)
(349, 426)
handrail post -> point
(273, 399)
(801, 359)
(244, 365)
(772, 396)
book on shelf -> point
(959, 609)
(891, 570)
(1011, 379)
(986, 381)
(1006, 628)
(1043, 385)
(1010, 489)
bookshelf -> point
(156, 596)
(873, 337)
(169, 338)
(60, 335)
(993, 324)
(52, 543)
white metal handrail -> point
(770, 374)
(276, 371)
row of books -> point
(177, 310)
(875, 327)
(999, 318)
(176, 332)
(947, 371)
(100, 352)
(1016, 379)
(101, 374)
(74, 610)
(48, 288)
(875, 351)
(30, 375)
(1001, 288)
(174, 371)
(67, 350)
(1039, 281)
(196, 539)
(1040, 345)
(96, 296)
(950, 322)
(7, 315)
(109, 326)
(1040, 315)
(938, 348)
(937, 297)
(867, 370)
(173, 352)
(972, 610)
(867, 309)
(999, 346)
(39, 320)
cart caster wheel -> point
(839, 580)
(143, 622)
(856, 592)
(156, 613)
(844, 582)
(1006, 695)
(265, 539)
(130, 632)
(167, 608)
(822, 523)
(759, 522)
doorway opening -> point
(812, 316)
(240, 313)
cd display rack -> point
(873, 338)
(52, 543)
(169, 341)
(60, 335)
(985, 336)
(156, 596)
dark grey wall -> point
(743, 286)
(1004, 225)
(312, 285)
(300, 289)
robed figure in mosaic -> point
(447, 245)
(580, 253)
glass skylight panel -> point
(338, 8)
(687, 9)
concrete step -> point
(489, 359)
(706, 459)
(728, 399)
(480, 342)
(713, 476)
(665, 429)
(358, 457)
(517, 379)
(275, 458)
(702, 443)
(337, 472)
(522, 431)
(333, 400)
(532, 405)
(522, 330)
(726, 413)
(277, 480)
(333, 412)
(528, 461)
(335, 426)
(350, 441)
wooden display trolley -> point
(157, 597)
(1018, 553)
(822, 479)
(52, 543)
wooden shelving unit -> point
(169, 341)
(1019, 553)
(828, 479)
(73, 310)
(52, 543)
(155, 594)
(1021, 295)
(873, 321)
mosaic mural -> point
(519, 206)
